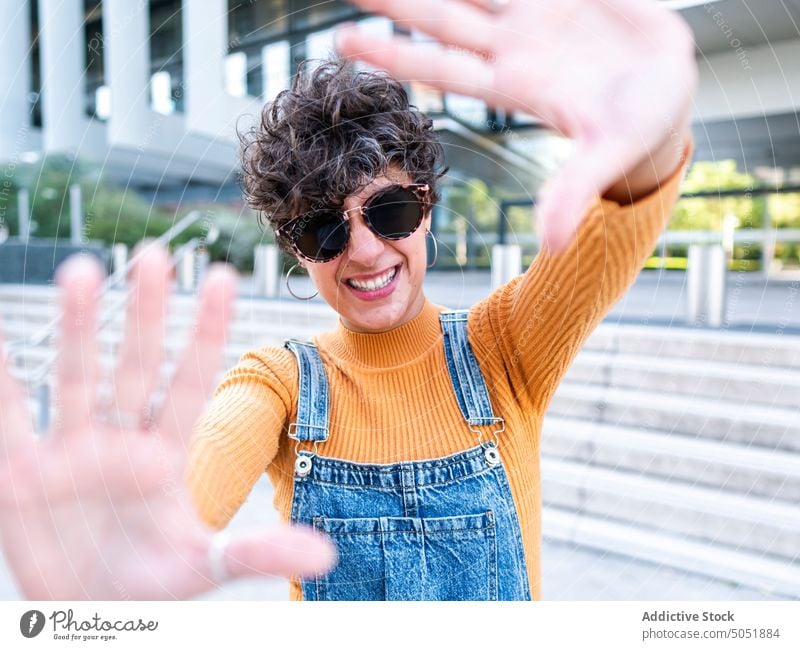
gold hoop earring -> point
(289, 289)
(435, 248)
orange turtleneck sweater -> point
(391, 396)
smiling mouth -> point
(378, 283)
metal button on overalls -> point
(435, 529)
(302, 466)
(492, 456)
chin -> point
(379, 319)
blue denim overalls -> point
(437, 529)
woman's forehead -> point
(391, 177)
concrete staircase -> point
(680, 447)
(671, 445)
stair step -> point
(776, 577)
(766, 526)
(720, 345)
(248, 317)
(744, 469)
(742, 423)
(237, 334)
(726, 381)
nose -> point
(364, 246)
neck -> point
(410, 314)
(400, 345)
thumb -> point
(564, 200)
(285, 551)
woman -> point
(409, 434)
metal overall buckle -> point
(490, 452)
(303, 462)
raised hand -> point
(96, 509)
(617, 76)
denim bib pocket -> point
(410, 558)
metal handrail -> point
(38, 373)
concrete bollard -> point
(266, 270)
(695, 272)
(716, 289)
(75, 215)
(202, 261)
(506, 263)
(43, 416)
(119, 258)
(24, 214)
(186, 271)
(706, 292)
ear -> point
(427, 219)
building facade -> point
(153, 91)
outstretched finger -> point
(79, 278)
(142, 351)
(565, 199)
(287, 551)
(426, 62)
(16, 427)
(452, 23)
(202, 358)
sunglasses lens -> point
(322, 236)
(395, 214)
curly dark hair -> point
(330, 134)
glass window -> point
(319, 45)
(252, 21)
(166, 56)
(161, 93)
(276, 69)
(102, 102)
(255, 74)
(314, 13)
(93, 63)
(35, 96)
(93, 31)
(236, 74)
(166, 32)
(519, 118)
(468, 109)
(276, 35)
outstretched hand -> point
(616, 76)
(97, 508)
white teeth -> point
(377, 283)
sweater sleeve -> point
(237, 436)
(532, 327)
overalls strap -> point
(313, 395)
(468, 382)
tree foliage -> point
(114, 214)
(708, 213)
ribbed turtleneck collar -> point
(395, 347)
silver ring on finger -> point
(496, 6)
